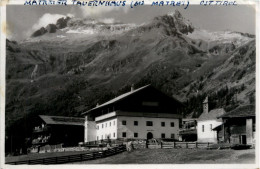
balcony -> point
(105, 116)
(40, 129)
(187, 131)
(41, 140)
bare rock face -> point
(184, 26)
(62, 22)
(39, 32)
(173, 23)
(51, 28)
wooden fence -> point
(73, 158)
(185, 145)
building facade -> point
(188, 132)
(143, 113)
(207, 121)
(138, 127)
(238, 126)
(52, 130)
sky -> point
(23, 20)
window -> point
(97, 127)
(124, 134)
(102, 125)
(152, 104)
(202, 128)
(106, 124)
(123, 122)
(97, 137)
(109, 123)
(114, 134)
(114, 122)
(163, 135)
(172, 136)
(149, 123)
(210, 126)
(135, 134)
(163, 124)
(172, 124)
(136, 123)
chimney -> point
(205, 105)
(97, 105)
(132, 88)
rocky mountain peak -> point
(176, 14)
(62, 22)
(51, 28)
(39, 32)
(174, 22)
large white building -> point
(143, 113)
(207, 122)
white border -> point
(2, 85)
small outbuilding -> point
(238, 126)
(53, 130)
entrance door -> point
(149, 135)
(243, 139)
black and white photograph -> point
(105, 82)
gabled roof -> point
(123, 96)
(218, 127)
(61, 120)
(189, 116)
(206, 100)
(241, 111)
(118, 98)
(212, 115)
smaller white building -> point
(207, 121)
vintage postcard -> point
(166, 84)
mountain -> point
(68, 67)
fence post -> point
(187, 145)
(208, 144)
(174, 146)
(81, 158)
(56, 160)
(161, 144)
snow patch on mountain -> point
(92, 29)
(220, 36)
(80, 31)
(61, 36)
